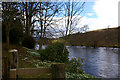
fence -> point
(56, 70)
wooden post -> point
(13, 57)
(5, 68)
(58, 70)
(13, 74)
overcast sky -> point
(98, 14)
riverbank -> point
(29, 58)
(107, 46)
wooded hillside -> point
(103, 37)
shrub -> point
(16, 35)
(28, 42)
(75, 65)
(54, 52)
(15, 31)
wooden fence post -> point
(13, 57)
(13, 73)
(58, 70)
(5, 67)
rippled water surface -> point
(100, 62)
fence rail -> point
(31, 71)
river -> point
(100, 62)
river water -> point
(100, 62)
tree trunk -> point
(26, 11)
(42, 39)
(41, 24)
(68, 22)
(7, 35)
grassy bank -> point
(29, 58)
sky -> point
(99, 14)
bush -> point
(28, 42)
(54, 52)
(75, 65)
(16, 35)
(15, 31)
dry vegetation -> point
(104, 37)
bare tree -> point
(24, 10)
(29, 9)
(72, 14)
(46, 14)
